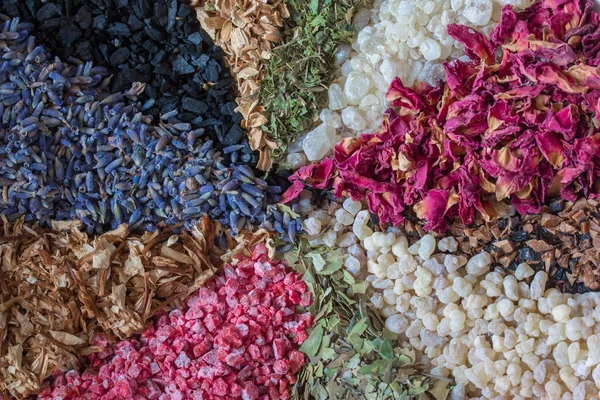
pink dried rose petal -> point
(519, 123)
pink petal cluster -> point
(236, 338)
(519, 123)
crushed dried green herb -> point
(296, 77)
(351, 354)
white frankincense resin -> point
(406, 39)
(498, 336)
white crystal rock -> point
(357, 86)
(347, 239)
(478, 12)
(368, 101)
(337, 98)
(319, 142)
(432, 73)
(352, 265)
(430, 49)
(344, 217)
(353, 118)
(296, 160)
(312, 226)
(389, 70)
(330, 118)
(353, 207)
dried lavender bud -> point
(157, 42)
(71, 151)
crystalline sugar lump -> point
(357, 86)
(319, 142)
(430, 49)
(330, 118)
(337, 98)
(478, 12)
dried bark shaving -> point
(564, 240)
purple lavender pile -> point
(69, 150)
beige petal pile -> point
(246, 30)
(58, 290)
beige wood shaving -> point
(246, 31)
(58, 290)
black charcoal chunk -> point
(119, 29)
(49, 11)
(181, 66)
(193, 105)
(119, 56)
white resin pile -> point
(407, 38)
(498, 336)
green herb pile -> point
(294, 86)
(351, 354)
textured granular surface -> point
(235, 339)
(70, 150)
(159, 43)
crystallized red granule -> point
(236, 338)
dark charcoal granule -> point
(69, 150)
(518, 236)
(556, 206)
(528, 254)
(549, 238)
(158, 42)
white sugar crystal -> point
(337, 98)
(356, 87)
(354, 119)
(312, 226)
(389, 70)
(352, 265)
(368, 101)
(296, 160)
(430, 49)
(346, 240)
(479, 264)
(538, 285)
(344, 217)
(523, 271)
(329, 238)
(396, 324)
(478, 12)
(361, 18)
(448, 244)
(342, 53)
(561, 313)
(426, 247)
(511, 288)
(330, 118)
(353, 207)
(319, 142)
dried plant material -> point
(246, 31)
(563, 240)
(59, 289)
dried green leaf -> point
(311, 345)
(440, 389)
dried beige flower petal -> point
(59, 289)
(246, 31)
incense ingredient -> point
(60, 289)
(235, 338)
(494, 333)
